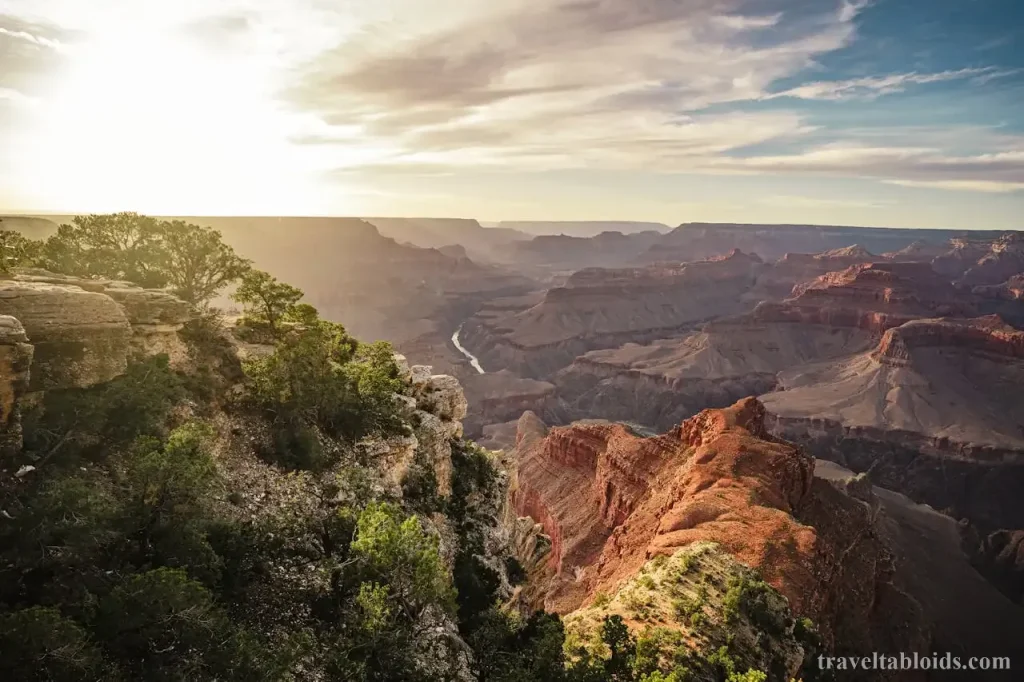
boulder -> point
(81, 338)
(156, 316)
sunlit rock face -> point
(156, 318)
(610, 500)
(81, 338)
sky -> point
(904, 113)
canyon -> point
(827, 407)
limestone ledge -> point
(437, 405)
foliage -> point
(198, 262)
(396, 548)
(268, 301)
(69, 424)
(125, 246)
(320, 378)
(756, 599)
(16, 249)
(193, 260)
(40, 644)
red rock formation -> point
(871, 296)
(611, 500)
(979, 262)
(777, 282)
(990, 335)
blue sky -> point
(872, 112)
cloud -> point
(30, 53)
(870, 87)
(651, 86)
(1001, 171)
(570, 83)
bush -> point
(322, 377)
(101, 419)
(757, 600)
(41, 645)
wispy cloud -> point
(577, 83)
(875, 86)
(909, 166)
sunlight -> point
(152, 119)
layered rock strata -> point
(935, 412)
(611, 500)
(600, 308)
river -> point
(472, 358)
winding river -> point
(472, 358)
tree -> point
(396, 552)
(319, 376)
(163, 626)
(266, 300)
(198, 262)
(16, 249)
(40, 644)
(124, 246)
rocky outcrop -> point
(81, 338)
(437, 406)
(98, 308)
(919, 251)
(156, 318)
(611, 500)
(778, 281)
(990, 336)
(15, 361)
(1005, 300)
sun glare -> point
(158, 121)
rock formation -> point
(498, 397)
(437, 406)
(980, 261)
(777, 282)
(701, 240)
(604, 308)
(935, 411)
(618, 500)
(555, 253)
(831, 316)
(106, 320)
(871, 296)
(81, 338)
